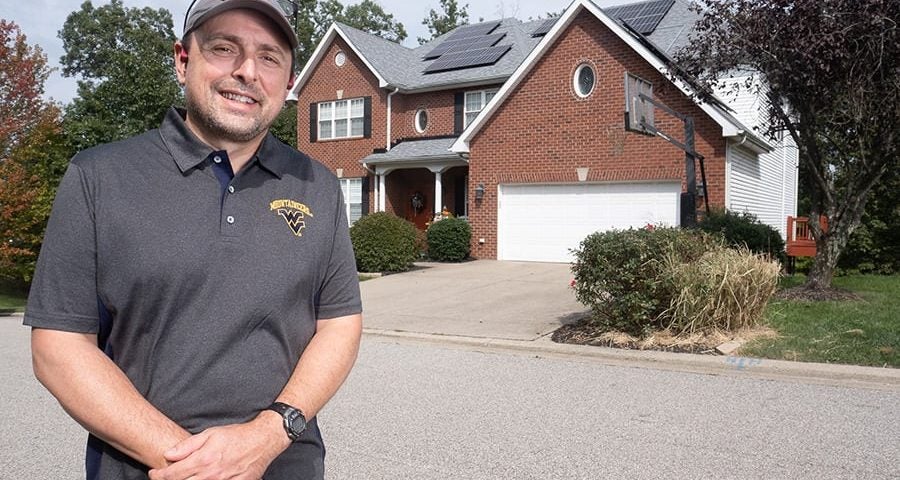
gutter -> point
(388, 143)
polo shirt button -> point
(231, 189)
(217, 159)
(229, 219)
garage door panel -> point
(543, 222)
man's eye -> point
(270, 60)
(223, 50)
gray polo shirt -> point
(213, 296)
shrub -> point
(619, 274)
(745, 230)
(449, 240)
(383, 242)
(725, 289)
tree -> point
(123, 57)
(450, 17)
(33, 153)
(23, 71)
(830, 71)
(311, 19)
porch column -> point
(381, 202)
(438, 194)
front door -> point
(419, 207)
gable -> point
(730, 126)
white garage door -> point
(542, 222)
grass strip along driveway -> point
(862, 332)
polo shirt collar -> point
(189, 151)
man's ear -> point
(181, 60)
(291, 81)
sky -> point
(40, 20)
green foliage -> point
(123, 59)
(383, 242)
(830, 71)
(725, 289)
(449, 240)
(744, 230)
(874, 247)
(285, 125)
(450, 17)
(619, 274)
(368, 16)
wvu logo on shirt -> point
(293, 213)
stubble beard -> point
(222, 124)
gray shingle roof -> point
(404, 67)
(415, 150)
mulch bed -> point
(584, 333)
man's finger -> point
(186, 447)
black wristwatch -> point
(294, 421)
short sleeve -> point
(63, 292)
(339, 293)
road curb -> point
(762, 368)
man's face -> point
(235, 76)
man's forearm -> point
(98, 395)
(324, 365)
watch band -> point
(294, 420)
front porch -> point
(418, 179)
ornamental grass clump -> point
(725, 289)
(384, 242)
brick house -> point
(519, 127)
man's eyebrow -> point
(266, 47)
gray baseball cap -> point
(202, 10)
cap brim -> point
(272, 12)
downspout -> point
(388, 145)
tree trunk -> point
(831, 242)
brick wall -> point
(355, 80)
(544, 131)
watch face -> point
(296, 422)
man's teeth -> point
(238, 98)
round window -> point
(584, 80)
(421, 120)
(340, 59)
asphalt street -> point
(428, 411)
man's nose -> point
(246, 70)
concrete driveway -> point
(482, 298)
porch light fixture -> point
(479, 192)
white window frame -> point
(353, 109)
(353, 197)
(484, 96)
(418, 120)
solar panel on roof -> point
(474, 30)
(544, 27)
(468, 58)
(642, 17)
(466, 43)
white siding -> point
(764, 185)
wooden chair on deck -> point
(800, 241)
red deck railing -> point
(800, 241)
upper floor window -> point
(475, 102)
(341, 119)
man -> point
(223, 260)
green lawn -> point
(11, 301)
(865, 332)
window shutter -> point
(458, 101)
(367, 117)
(365, 195)
(313, 122)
